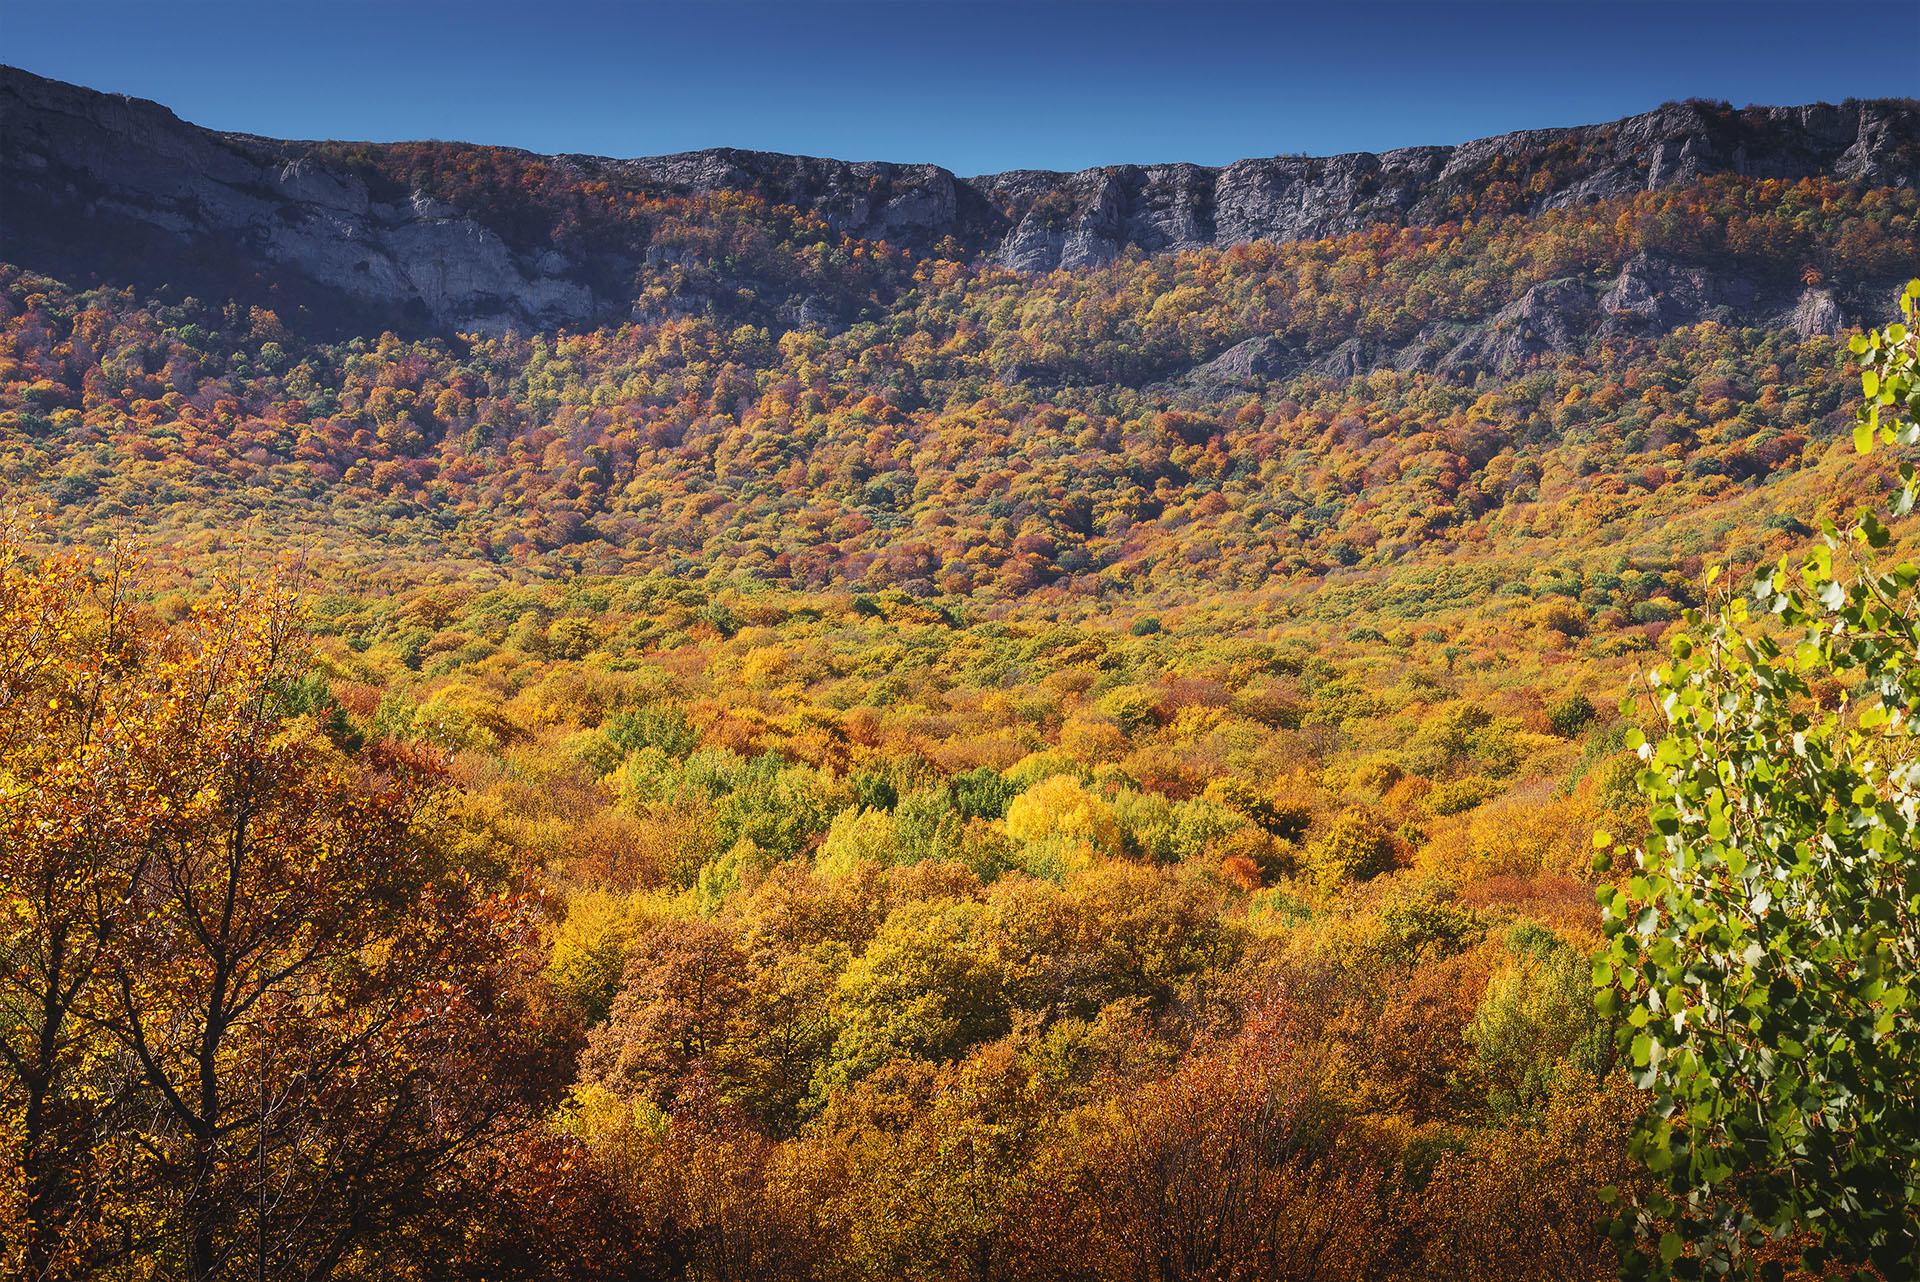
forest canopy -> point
(1231, 764)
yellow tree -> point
(241, 975)
(326, 1010)
(65, 644)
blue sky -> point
(973, 86)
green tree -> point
(929, 985)
(1356, 847)
(1763, 955)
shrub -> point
(858, 836)
(1356, 847)
(1571, 715)
(1061, 807)
(1458, 796)
(980, 793)
(1535, 1019)
(1130, 707)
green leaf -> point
(1877, 534)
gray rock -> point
(1246, 366)
(815, 312)
(1349, 360)
(1550, 317)
(97, 185)
(1817, 314)
(1430, 347)
(1651, 296)
(94, 166)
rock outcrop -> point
(1817, 315)
(1550, 317)
(101, 187)
(1244, 366)
(1652, 296)
(1070, 220)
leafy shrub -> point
(1458, 795)
(858, 835)
(1571, 715)
(1356, 847)
(1061, 807)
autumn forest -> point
(1320, 757)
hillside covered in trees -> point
(866, 724)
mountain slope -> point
(439, 237)
(224, 342)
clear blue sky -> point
(973, 86)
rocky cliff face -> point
(114, 187)
(107, 187)
(1072, 220)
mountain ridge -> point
(121, 189)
